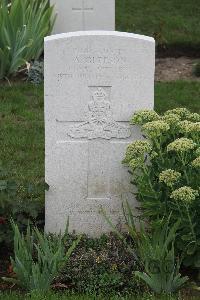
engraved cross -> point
(83, 10)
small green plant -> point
(38, 258)
(165, 168)
(161, 268)
(36, 72)
(197, 69)
(20, 201)
(101, 266)
(131, 229)
(23, 26)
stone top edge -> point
(98, 33)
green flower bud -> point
(143, 116)
(185, 194)
(181, 145)
(169, 177)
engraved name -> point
(83, 59)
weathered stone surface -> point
(94, 81)
(75, 15)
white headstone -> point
(94, 81)
(75, 15)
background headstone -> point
(94, 81)
(76, 15)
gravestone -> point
(94, 81)
(77, 15)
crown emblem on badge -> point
(99, 94)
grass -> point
(50, 296)
(22, 131)
(173, 22)
(22, 123)
(54, 296)
(170, 95)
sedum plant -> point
(23, 26)
(38, 258)
(165, 168)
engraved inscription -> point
(100, 122)
(90, 63)
(94, 55)
(92, 75)
(82, 59)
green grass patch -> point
(22, 130)
(22, 122)
(63, 296)
(170, 95)
(171, 22)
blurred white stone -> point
(94, 81)
(76, 15)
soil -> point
(171, 68)
(178, 50)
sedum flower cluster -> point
(155, 128)
(184, 126)
(184, 113)
(142, 117)
(185, 194)
(196, 163)
(189, 127)
(195, 127)
(153, 154)
(181, 145)
(171, 119)
(194, 117)
(169, 177)
(198, 151)
(137, 150)
(135, 163)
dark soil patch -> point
(178, 50)
(171, 68)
